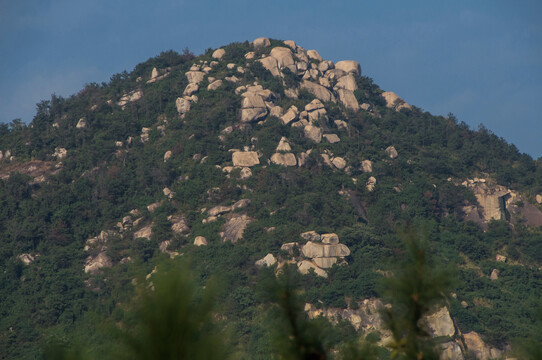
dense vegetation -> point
(98, 183)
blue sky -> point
(481, 60)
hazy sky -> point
(481, 60)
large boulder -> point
(313, 133)
(214, 85)
(271, 64)
(261, 42)
(283, 145)
(81, 124)
(305, 267)
(219, 54)
(391, 152)
(349, 66)
(145, 232)
(245, 158)
(317, 90)
(284, 57)
(178, 224)
(290, 115)
(348, 99)
(267, 260)
(395, 102)
(183, 105)
(367, 166)
(330, 238)
(191, 89)
(200, 241)
(195, 76)
(331, 138)
(315, 250)
(93, 264)
(478, 348)
(311, 236)
(314, 55)
(347, 82)
(284, 159)
(439, 323)
(253, 108)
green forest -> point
(88, 179)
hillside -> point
(256, 155)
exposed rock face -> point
(476, 346)
(395, 102)
(253, 108)
(315, 250)
(195, 76)
(261, 42)
(245, 158)
(365, 318)
(284, 57)
(349, 66)
(371, 183)
(391, 152)
(450, 351)
(283, 145)
(219, 54)
(367, 166)
(338, 162)
(93, 264)
(200, 241)
(183, 106)
(234, 228)
(290, 115)
(219, 210)
(440, 323)
(341, 124)
(317, 90)
(311, 236)
(330, 238)
(81, 124)
(130, 97)
(500, 258)
(268, 260)
(26, 259)
(144, 232)
(313, 54)
(178, 224)
(271, 64)
(305, 266)
(214, 85)
(313, 133)
(191, 89)
(496, 202)
(167, 155)
(284, 159)
(347, 98)
(331, 138)
(494, 275)
(60, 153)
(347, 82)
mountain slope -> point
(253, 146)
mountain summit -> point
(255, 156)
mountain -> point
(253, 156)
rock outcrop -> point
(395, 102)
(284, 159)
(245, 158)
(253, 108)
(268, 260)
(234, 228)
